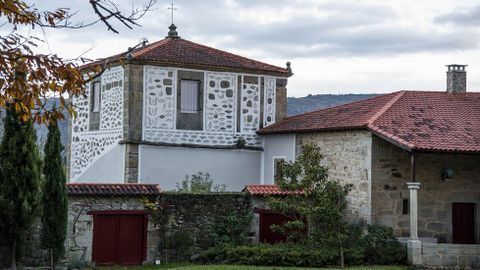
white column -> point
(413, 187)
(414, 246)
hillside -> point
(295, 106)
(314, 102)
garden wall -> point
(184, 225)
(189, 223)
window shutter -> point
(188, 96)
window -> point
(188, 96)
(277, 168)
(95, 96)
(405, 207)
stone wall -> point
(32, 254)
(444, 256)
(348, 157)
(80, 225)
(391, 172)
(190, 223)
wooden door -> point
(463, 223)
(119, 238)
(266, 235)
(130, 240)
(104, 240)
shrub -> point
(381, 246)
(277, 255)
(378, 246)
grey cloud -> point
(467, 16)
(346, 28)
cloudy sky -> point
(338, 46)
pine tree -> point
(20, 181)
(54, 197)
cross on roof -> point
(172, 9)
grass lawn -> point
(243, 267)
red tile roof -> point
(267, 190)
(179, 51)
(94, 189)
(415, 120)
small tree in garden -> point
(20, 180)
(315, 205)
(54, 197)
(199, 183)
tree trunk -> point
(52, 265)
(342, 260)
(14, 255)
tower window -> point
(188, 96)
(95, 97)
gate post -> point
(414, 245)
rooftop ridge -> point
(385, 107)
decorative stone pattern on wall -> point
(159, 98)
(80, 225)
(111, 115)
(250, 107)
(391, 172)
(80, 123)
(201, 137)
(347, 155)
(448, 256)
(220, 109)
(269, 102)
(88, 146)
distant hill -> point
(295, 106)
(315, 102)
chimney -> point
(456, 79)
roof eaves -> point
(309, 130)
(391, 138)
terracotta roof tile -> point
(267, 190)
(179, 51)
(94, 189)
(415, 120)
(354, 115)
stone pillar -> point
(281, 100)
(414, 246)
(131, 163)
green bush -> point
(277, 255)
(378, 246)
(381, 246)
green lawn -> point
(242, 267)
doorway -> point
(463, 223)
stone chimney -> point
(456, 79)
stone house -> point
(172, 108)
(413, 159)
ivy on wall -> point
(189, 223)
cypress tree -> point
(54, 197)
(20, 180)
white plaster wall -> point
(166, 165)
(109, 168)
(276, 146)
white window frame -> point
(96, 96)
(195, 95)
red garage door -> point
(119, 237)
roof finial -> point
(173, 28)
(172, 9)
